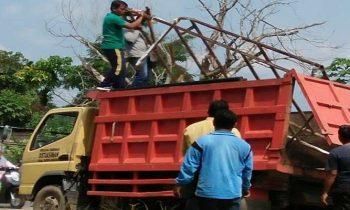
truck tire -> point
(49, 197)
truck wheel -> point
(48, 198)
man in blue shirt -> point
(337, 182)
(223, 164)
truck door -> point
(49, 151)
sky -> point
(24, 23)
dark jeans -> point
(115, 77)
(191, 204)
(142, 72)
(341, 201)
(188, 194)
(218, 204)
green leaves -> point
(14, 152)
(178, 50)
(339, 70)
(10, 64)
(15, 108)
(46, 75)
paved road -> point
(27, 206)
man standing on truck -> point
(223, 163)
(337, 181)
(136, 48)
(113, 44)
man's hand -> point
(324, 198)
(177, 191)
(145, 16)
(246, 194)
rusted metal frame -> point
(150, 41)
(155, 45)
(251, 68)
(210, 50)
(258, 54)
(291, 129)
(161, 59)
(151, 30)
(319, 66)
(189, 50)
(308, 130)
(189, 28)
(223, 45)
(302, 114)
(268, 59)
(303, 127)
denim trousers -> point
(142, 72)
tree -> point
(16, 98)
(45, 75)
(10, 64)
(339, 70)
(15, 108)
(27, 87)
(253, 20)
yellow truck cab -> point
(56, 149)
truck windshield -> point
(55, 127)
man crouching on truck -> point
(224, 165)
(338, 178)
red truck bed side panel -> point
(138, 140)
(330, 103)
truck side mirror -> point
(6, 133)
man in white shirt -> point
(4, 163)
(135, 48)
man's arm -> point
(136, 24)
(328, 183)
(331, 167)
(247, 173)
(190, 165)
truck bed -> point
(138, 140)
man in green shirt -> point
(113, 44)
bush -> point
(14, 152)
(15, 108)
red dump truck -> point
(134, 151)
(130, 148)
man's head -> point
(225, 119)
(344, 134)
(119, 7)
(216, 106)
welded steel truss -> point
(261, 57)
